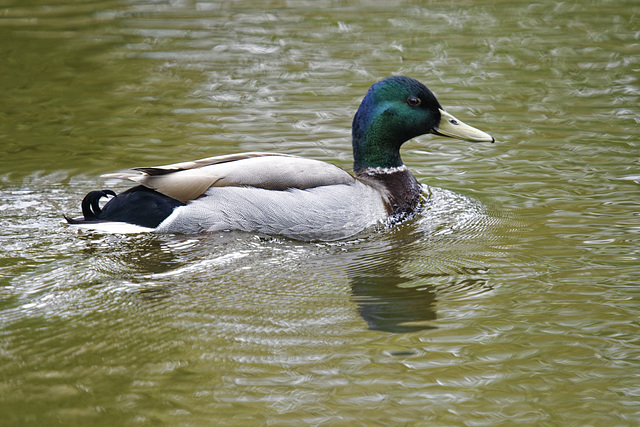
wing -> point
(189, 180)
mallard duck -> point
(279, 194)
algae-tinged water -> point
(512, 299)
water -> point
(512, 300)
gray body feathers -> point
(293, 196)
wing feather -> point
(189, 180)
(194, 164)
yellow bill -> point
(454, 128)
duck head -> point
(395, 110)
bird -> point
(287, 195)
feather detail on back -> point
(194, 164)
(189, 180)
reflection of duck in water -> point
(397, 282)
(391, 302)
(387, 307)
(287, 195)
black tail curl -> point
(90, 203)
(138, 205)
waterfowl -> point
(279, 194)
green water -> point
(512, 300)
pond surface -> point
(513, 299)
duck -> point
(287, 195)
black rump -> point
(138, 205)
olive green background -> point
(513, 300)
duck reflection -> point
(396, 288)
(391, 302)
(387, 306)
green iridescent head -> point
(395, 110)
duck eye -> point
(414, 101)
